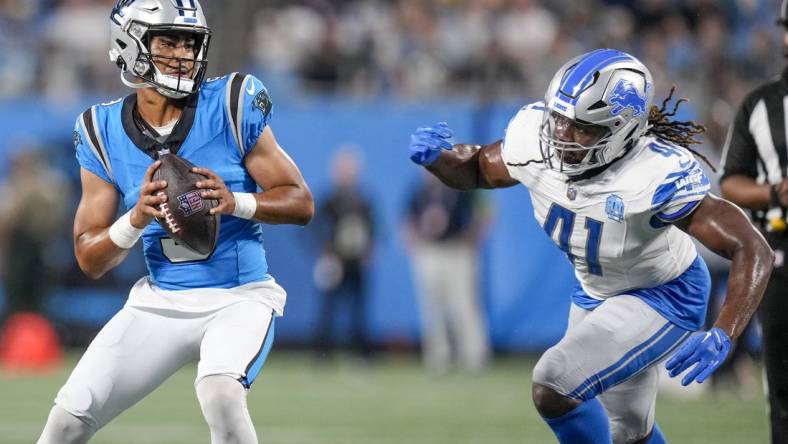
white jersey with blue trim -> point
(218, 127)
(614, 227)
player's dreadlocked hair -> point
(681, 133)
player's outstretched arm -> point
(460, 166)
(286, 198)
(726, 230)
(100, 242)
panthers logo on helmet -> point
(625, 95)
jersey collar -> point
(144, 136)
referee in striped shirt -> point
(755, 160)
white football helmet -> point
(131, 26)
(605, 93)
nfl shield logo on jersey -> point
(615, 208)
(190, 203)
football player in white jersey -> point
(614, 184)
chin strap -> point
(131, 82)
(168, 86)
(173, 86)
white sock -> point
(64, 428)
(223, 403)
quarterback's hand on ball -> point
(213, 187)
(147, 206)
(706, 349)
(427, 143)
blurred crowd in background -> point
(408, 51)
(417, 49)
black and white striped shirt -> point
(756, 143)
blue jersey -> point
(219, 126)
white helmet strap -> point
(174, 88)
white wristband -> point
(123, 233)
(245, 205)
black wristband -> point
(774, 196)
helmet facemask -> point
(180, 74)
(570, 146)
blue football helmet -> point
(604, 95)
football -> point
(187, 218)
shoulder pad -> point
(233, 102)
(90, 127)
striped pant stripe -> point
(637, 359)
(256, 364)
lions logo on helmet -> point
(605, 92)
(625, 95)
(133, 22)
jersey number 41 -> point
(593, 238)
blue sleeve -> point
(87, 156)
(681, 191)
(257, 110)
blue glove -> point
(427, 143)
(707, 349)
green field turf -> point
(296, 401)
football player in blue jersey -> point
(218, 308)
(616, 187)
